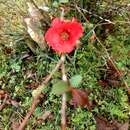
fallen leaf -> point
(34, 29)
(34, 12)
(80, 98)
(112, 75)
(60, 87)
(124, 126)
(103, 124)
(37, 22)
(113, 71)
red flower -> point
(63, 34)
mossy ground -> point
(21, 69)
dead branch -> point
(32, 109)
(36, 99)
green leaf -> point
(76, 80)
(60, 87)
(86, 36)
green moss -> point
(82, 119)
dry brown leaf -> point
(35, 32)
(80, 98)
(34, 12)
(103, 124)
(124, 126)
(112, 75)
(35, 24)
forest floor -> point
(102, 61)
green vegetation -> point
(21, 70)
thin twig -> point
(32, 109)
(97, 16)
(55, 69)
(99, 24)
(112, 62)
(63, 106)
(81, 13)
(107, 21)
(36, 99)
(63, 115)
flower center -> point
(64, 35)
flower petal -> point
(54, 39)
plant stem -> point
(63, 106)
